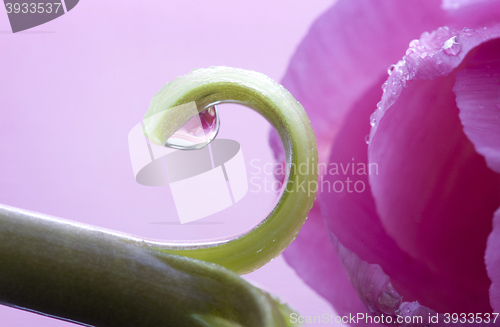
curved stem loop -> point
(98, 277)
(222, 84)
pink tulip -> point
(423, 235)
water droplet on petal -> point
(384, 86)
(423, 55)
(452, 47)
(468, 31)
(414, 43)
(373, 120)
(379, 105)
(197, 132)
(391, 69)
(367, 139)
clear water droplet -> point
(379, 105)
(414, 42)
(391, 69)
(468, 31)
(373, 120)
(452, 47)
(197, 132)
(367, 139)
(423, 55)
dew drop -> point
(379, 105)
(384, 86)
(373, 120)
(468, 31)
(423, 55)
(367, 139)
(197, 132)
(414, 43)
(391, 69)
(452, 47)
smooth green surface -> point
(223, 84)
(94, 277)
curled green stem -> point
(93, 277)
(97, 277)
(222, 85)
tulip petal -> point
(331, 68)
(430, 183)
(434, 54)
(492, 259)
(472, 13)
(345, 51)
(458, 4)
(477, 89)
(375, 289)
(431, 180)
(372, 284)
(350, 213)
(312, 255)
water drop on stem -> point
(198, 132)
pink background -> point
(74, 87)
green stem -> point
(93, 277)
(222, 84)
(98, 277)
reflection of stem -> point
(93, 276)
(222, 84)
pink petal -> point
(344, 53)
(477, 88)
(346, 50)
(340, 59)
(434, 54)
(472, 13)
(372, 284)
(431, 181)
(377, 293)
(458, 4)
(352, 217)
(492, 259)
(313, 257)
